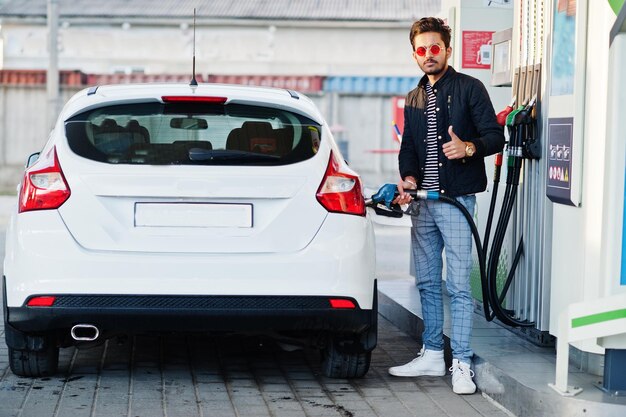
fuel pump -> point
(519, 124)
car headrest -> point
(132, 125)
(258, 129)
(109, 125)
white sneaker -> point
(462, 378)
(427, 363)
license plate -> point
(193, 215)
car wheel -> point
(340, 363)
(32, 363)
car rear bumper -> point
(340, 261)
(190, 313)
(34, 328)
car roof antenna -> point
(193, 82)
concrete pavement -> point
(185, 375)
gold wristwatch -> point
(469, 149)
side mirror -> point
(32, 159)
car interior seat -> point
(284, 140)
(111, 138)
(139, 132)
(253, 137)
(261, 137)
(234, 139)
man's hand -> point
(408, 183)
(455, 149)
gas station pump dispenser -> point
(582, 174)
(570, 209)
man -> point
(449, 127)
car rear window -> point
(192, 134)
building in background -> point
(350, 57)
(353, 58)
(306, 37)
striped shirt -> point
(431, 170)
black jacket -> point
(463, 102)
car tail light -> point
(42, 301)
(342, 303)
(196, 99)
(340, 192)
(44, 186)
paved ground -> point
(190, 375)
(221, 376)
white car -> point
(190, 208)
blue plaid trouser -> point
(440, 225)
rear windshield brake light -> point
(194, 99)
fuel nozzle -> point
(531, 146)
(511, 116)
(504, 113)
(385, 195)
(524, 116)
(382, 201)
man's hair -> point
(431, 24)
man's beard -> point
(434, 70)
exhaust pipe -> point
(85, 332)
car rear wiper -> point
(200, 154)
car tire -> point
(338, 363)
(30, 363)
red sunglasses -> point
(434, 49)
